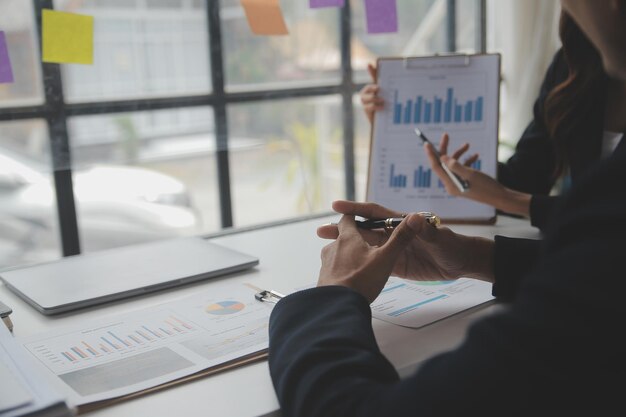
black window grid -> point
(55, 111)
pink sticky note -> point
(6, 73)
(382, 16)
(314, 4)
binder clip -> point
(268, 296)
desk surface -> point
(289, 258)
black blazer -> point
(531, 168)
(554, 349)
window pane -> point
(466, 30)
(421, 31)
(29, 229)
(141, 49)
(362, 131)
(293, 164)
(144, 176)
(308, 55)
(17, 20)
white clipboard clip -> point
(413, 62)
(268, 296)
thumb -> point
(404, 234)
(372, 71)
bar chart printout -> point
(415, 304)
(457, 95)
(121, 355)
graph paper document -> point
(416, 304)
(457, 94)
(130, 353)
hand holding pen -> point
(459, 182)
(416, 249)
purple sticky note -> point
(382, 16)
(6, 74)
(314, 4)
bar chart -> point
(102, 344)
(422, 177)
(437, 110)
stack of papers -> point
(22, 391)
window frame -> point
(55, 111)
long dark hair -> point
(570, 105)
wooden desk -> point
(289, 258)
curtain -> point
(526, 34)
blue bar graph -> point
(396, 181)
(422, 177)
(437, 110)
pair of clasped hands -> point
(363, 259)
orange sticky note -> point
(265, 17)
(67, 37)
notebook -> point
(89, 279)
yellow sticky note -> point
(67, 37)
(265, 17)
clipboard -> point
(457, 94)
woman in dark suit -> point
(569, 132)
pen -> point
(392, 222)
(460, 183)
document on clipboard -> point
(457, 94)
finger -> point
(457, 167)
(328, 231)
(371, 69)
(347, 226)
(414, 226)
(459, 152)
(438, 170)
(371, 99)
(469, 161)
(370, 89)
(367, 210)
(443, 144)
(433, 160)
(371, 109)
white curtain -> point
(525, 32)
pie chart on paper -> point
(222, 308)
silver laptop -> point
(85, 280)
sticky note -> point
(6, 73)
(67, 37)
(381, 15)
(314, 4)
(265, 17)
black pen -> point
(392, 222)
(460, 183)
(372, 224)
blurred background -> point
(188, 124)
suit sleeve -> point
(514, 258)
(541, 209)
